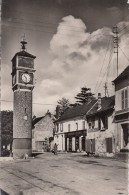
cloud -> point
(78, 57)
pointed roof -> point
(107, 103)
(79, 110)
(123, 74)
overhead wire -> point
(69, 35)
(123, 28)
(32, 103)
(124, 33)
(124, 53)
(108, 66)
(102, 64)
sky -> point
(73, 44)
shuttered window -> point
(105, 121)
(61, 127)
(109, 144)
(99, 124)
(124, 99)
(57, 127)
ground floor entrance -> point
(75, 141)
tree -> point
(7, 127)
(84, 96)
(63, 104)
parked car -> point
(5, 152)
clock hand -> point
(25, 78)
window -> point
(89, 125)
(124, 99)
(105, 121)
(76, 126)
(32, 133)
(99, 123)
(109, 144)
(61, 127)
(68, 127)
(93, 123)
(57, 128)
(83, 124)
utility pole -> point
(115, 31)
(106, 90)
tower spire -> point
(23, 43)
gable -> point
(44, 124)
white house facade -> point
(71, 128)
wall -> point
(72, 123)
(100, 136)
(43, 129)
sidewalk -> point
(6, 159)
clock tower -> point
(22, 86)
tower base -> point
(21, 147)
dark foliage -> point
(7, 127)
(84, 96)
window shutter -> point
(122, 99)
(83, 124)
(106, 122)
(93, 146)
(109, 144)
(126, 98)
(88, 145)
(99, 124)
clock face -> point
(26, 78)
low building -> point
(71, 128)
(122, 109)
(42, 133)
(101, 127)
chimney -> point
(57, 111)
(99, 100)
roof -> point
(24, 54)
(36, 120)
(79, 110)
(123, 74)
(107, 103)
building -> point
(42, 133)
(101, 127)
(71, 128)
(122, 109)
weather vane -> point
(23, 42)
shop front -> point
(75, 141)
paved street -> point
(73, 174)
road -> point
(64, 174)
